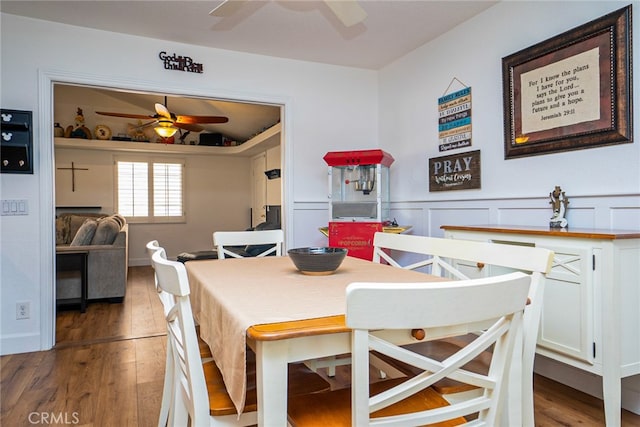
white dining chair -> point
(199, 396)
(167, 301)
(256, 243)
(153, 246)
(461, 260)
(374, 309)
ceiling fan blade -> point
(163, 112)
(189, 127)
(144, 125)
(227, 8)
(201, 119)
(349, 12)
(128, 116)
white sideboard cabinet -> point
(591, 310)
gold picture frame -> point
(572, 91)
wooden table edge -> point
(297, 328)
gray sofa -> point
(105, 238)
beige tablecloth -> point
(228, 296)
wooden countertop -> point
(586, 233)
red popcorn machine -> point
(359, 199)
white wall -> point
(472, 53)
(603, 184)
(35, 53)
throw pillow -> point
(85, 233)
(106, 231)
(120, 219)
(75, 222)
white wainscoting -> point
(426, 217)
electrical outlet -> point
(23, 310)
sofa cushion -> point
(76, 221)
(85, 233)
(62, 230)
(106, 231)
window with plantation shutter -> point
(150, 191)
(167, 189)
(133, 189)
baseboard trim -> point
(588, 382)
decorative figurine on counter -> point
(80, 131)
(559, 204)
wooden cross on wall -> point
(73, 170)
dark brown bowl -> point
(317, 261)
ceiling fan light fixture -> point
(165, 128)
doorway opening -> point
(207, 186)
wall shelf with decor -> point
(263, 141)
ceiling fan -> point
(167, 123)
(349, 12)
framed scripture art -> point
(572, 91)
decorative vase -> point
(58, 131)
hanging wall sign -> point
(180, 63)
(454, 120)
(455, 172)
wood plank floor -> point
(108, 365)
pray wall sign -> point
(455, 172)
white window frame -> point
(150, 161)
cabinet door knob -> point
(418, 334)
(480, 265)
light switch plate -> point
(15, 207)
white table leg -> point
(271, 383)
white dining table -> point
(282, 314)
